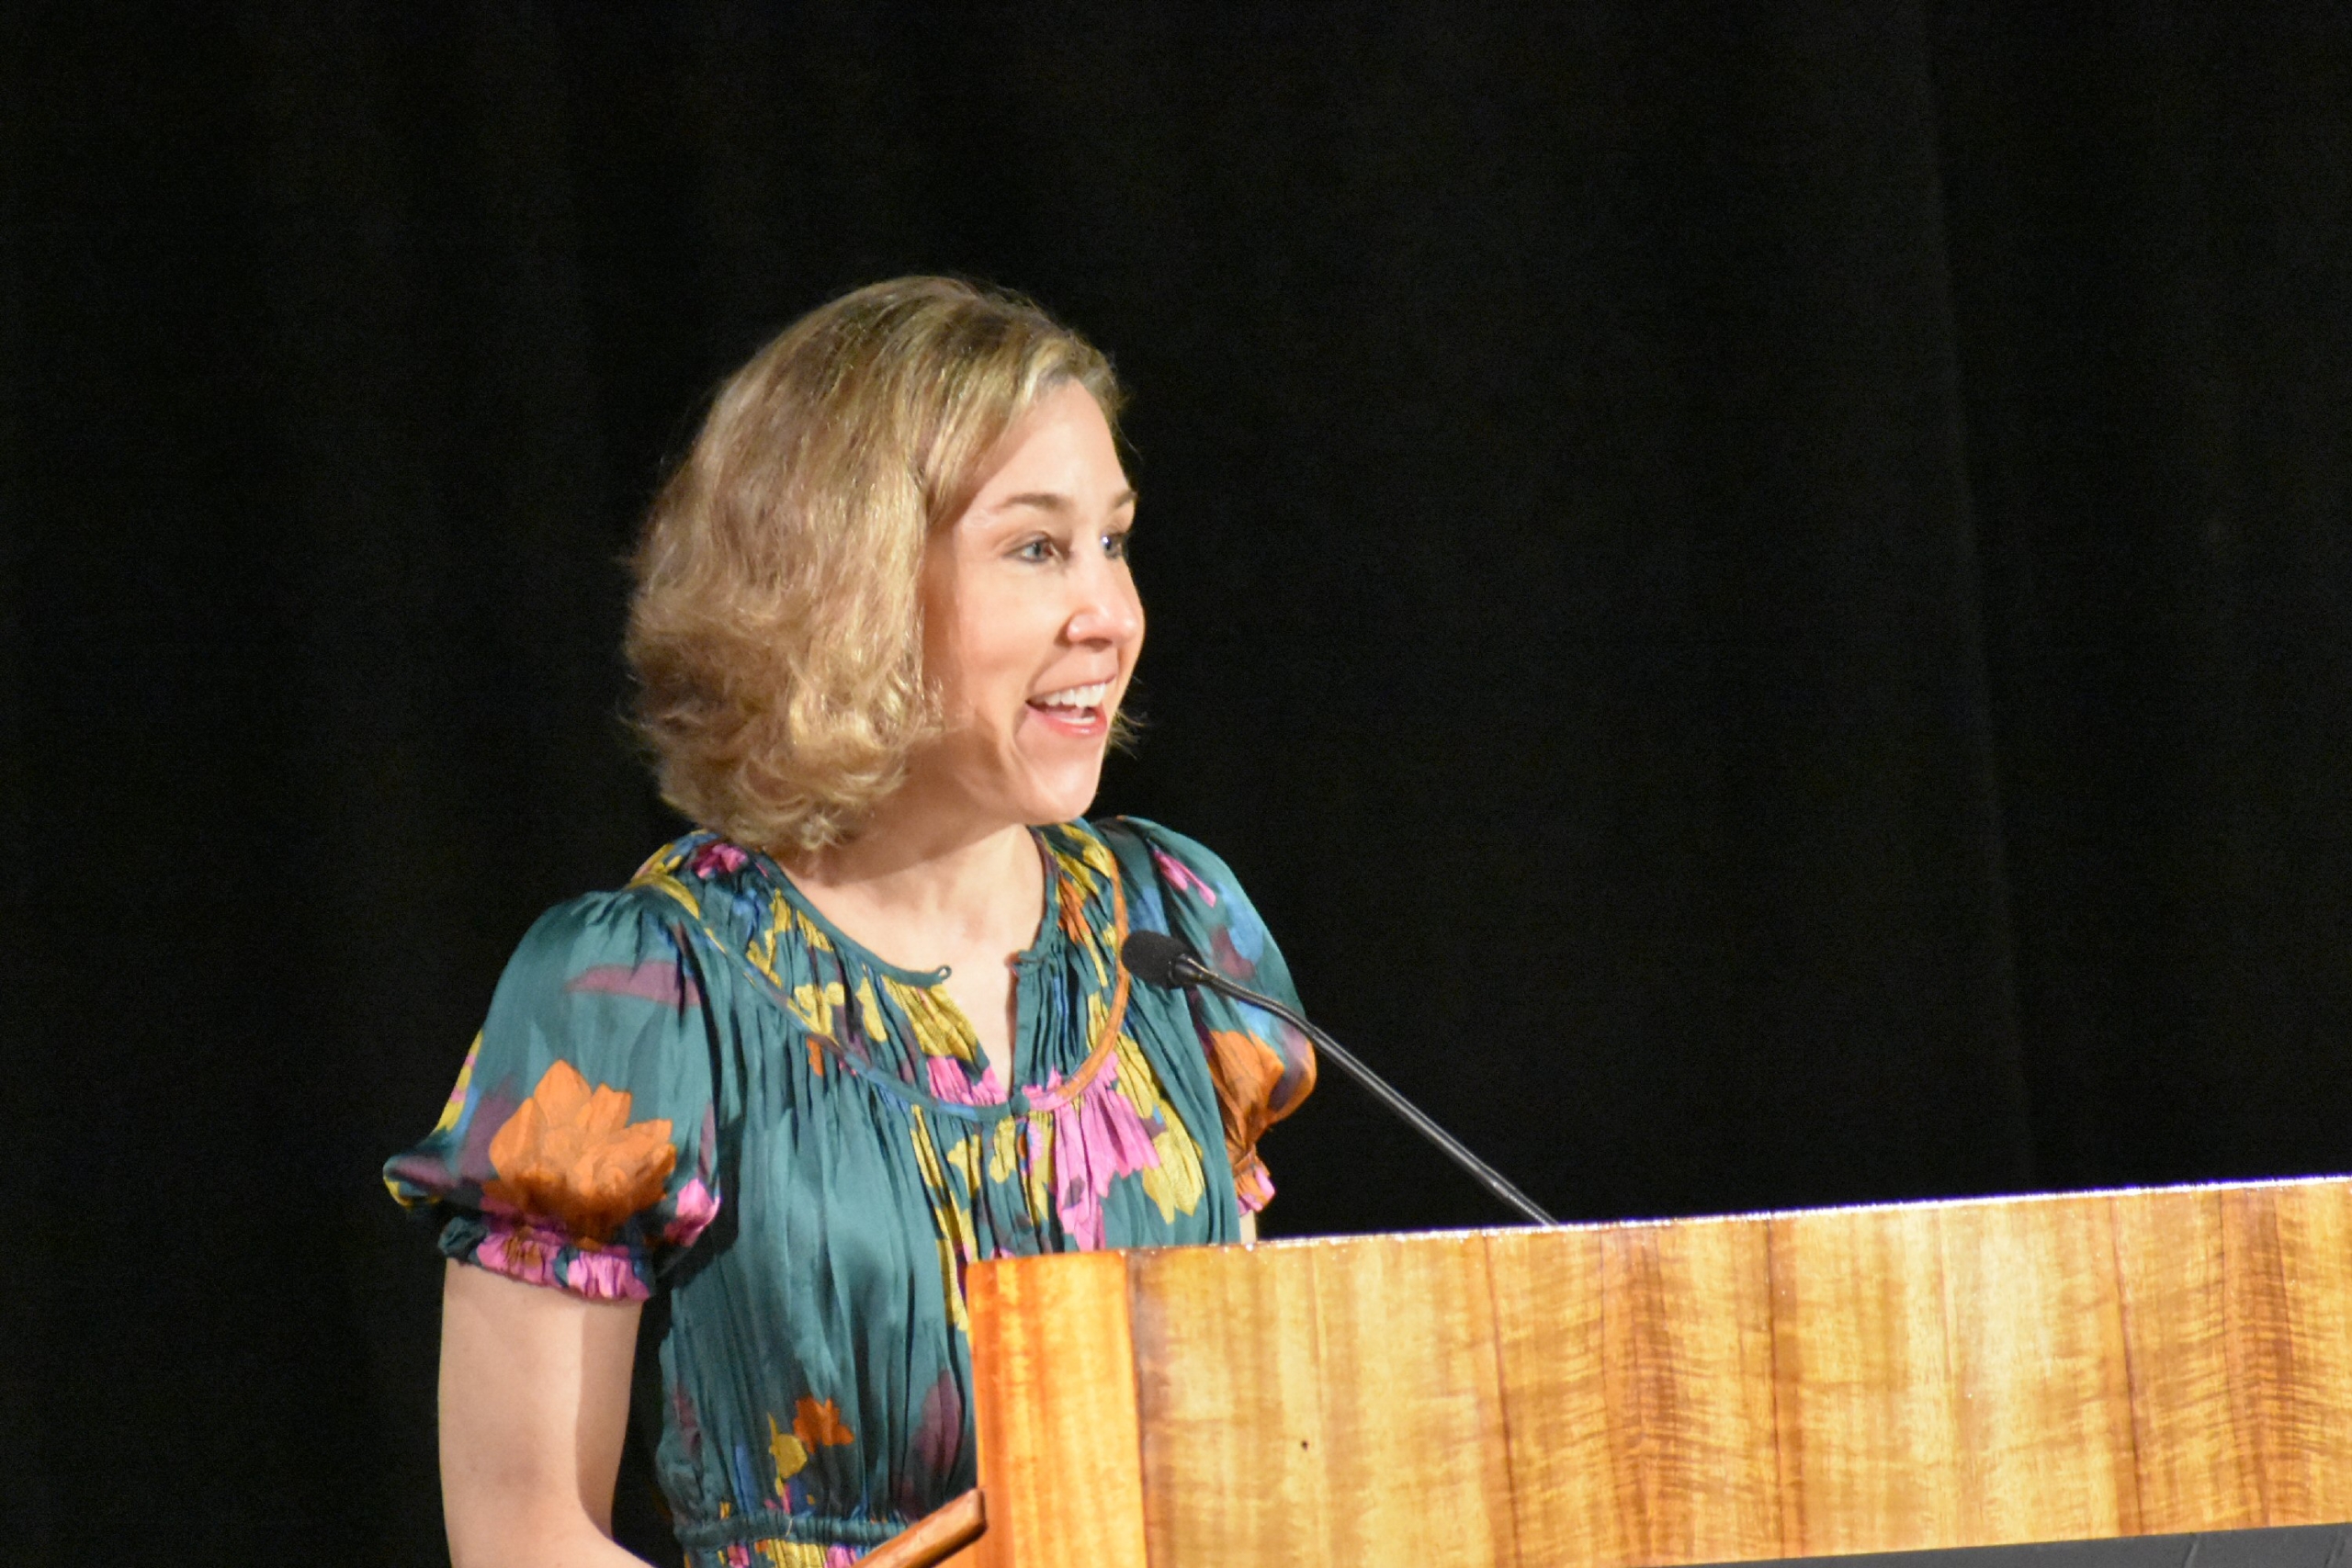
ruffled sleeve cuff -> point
(577, 1147)
(1253, 1184)
(538, 1255)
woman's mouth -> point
(1075, 711)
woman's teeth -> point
(1075, 697)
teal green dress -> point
(696, 1092)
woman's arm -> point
(533, 1400)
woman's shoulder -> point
(699, 873)
(697, 881)
(1148, 849)
(1173, 880)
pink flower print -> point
(1253, 1184)
(949, 1082)
(604, 1277)
(991, 1089)
(661, 981)
(531, 1254)
(519, 1253)
(717, 858)
(1098, 1138)
(1182, 876)
(939, 1436)
(840, 1557)
(695, 1207)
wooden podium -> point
(1951, 1374)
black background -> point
(1760, 594)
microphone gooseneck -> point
(1159, 959)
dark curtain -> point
(1760, 594)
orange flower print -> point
(814, 1426)
(819, 1425)
(1246, 1071)
(571, 1154)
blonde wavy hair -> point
(777, 630)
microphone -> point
(1159, 959)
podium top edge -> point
(1758, 1216)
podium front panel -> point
(1836, 1382)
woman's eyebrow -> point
(1054, 500)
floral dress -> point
(696, 1092)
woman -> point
(866, 1025)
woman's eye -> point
(1036, 550)
(1116, 545)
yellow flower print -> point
(1077, 879)
(869, 1012)
(1011, 1138)
(791, 1454)
(662, 862)
(940, 1027)
(813, 1005)
(1004, 1151)
(805, 929)
(760, 953)
(950, 1208)
(1098, 1019)
(816, 1424)
(964, 1156)
(455, 1106)
(1137, 1081)
(1097, 854)
(656, 873)
(674, 889)
(958, 1241)
(782, 921)
(791, 1553)
(1174, 1182)
(954, 1288)
(1075, 868)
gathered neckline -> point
(1022, 1097)
(1050, 926)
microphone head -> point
(1156, 958)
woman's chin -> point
(1061, 794)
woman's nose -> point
(1107, 608)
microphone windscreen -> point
(1153, 957)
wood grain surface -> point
(2033, 1331)
(2287, 1316)
(1215, 1320)
(1864, 1399)
(1694, 1391)
(1055, 1415)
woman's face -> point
(1031, 623)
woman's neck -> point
(918, 889)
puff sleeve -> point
(577, 1149)
(1262, 1067)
